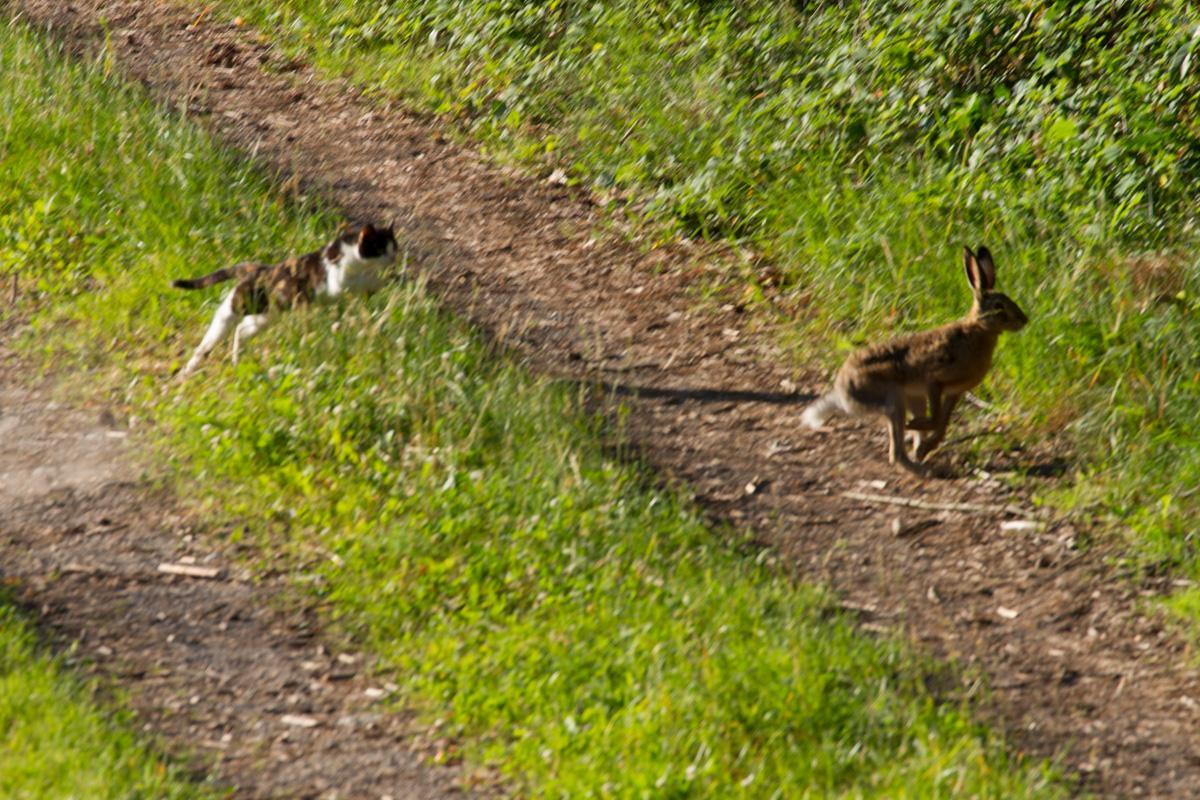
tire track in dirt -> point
(1074, 668)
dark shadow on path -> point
(702, 395)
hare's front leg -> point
(941, 418)
(918, 404)
(924, 407)
(897, 451)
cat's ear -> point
(367, 232)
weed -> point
(859, 146)
(55, 742)
(584, 633)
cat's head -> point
(374, 242)
(369, 242)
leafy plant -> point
(859, 145)
(567, 623)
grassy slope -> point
(583, 632)
(859, 145)
(56, 743)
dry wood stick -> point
(189, 570)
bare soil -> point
(231, 674)
(1076, 667)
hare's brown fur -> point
(924, 373)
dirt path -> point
(1073, 667)
(231, 674)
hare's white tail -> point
(815, 415)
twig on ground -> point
(204, 12)
(189, 570)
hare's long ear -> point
(971, 264)
(987, 269)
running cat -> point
(353, 262)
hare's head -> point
(991, 308)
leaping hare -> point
(924, 373)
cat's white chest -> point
(354, 276)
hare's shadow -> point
(1041, 468)
(703, 395)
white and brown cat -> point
(353, 262)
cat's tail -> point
(213, 278)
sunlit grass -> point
(56, 742)
(576, 628)
(859, 146)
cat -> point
(353, 262)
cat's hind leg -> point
(222, 322)
(246, 328)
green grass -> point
(575, 628)
(858, 146)
(56, 743)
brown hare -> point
(924, 373)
